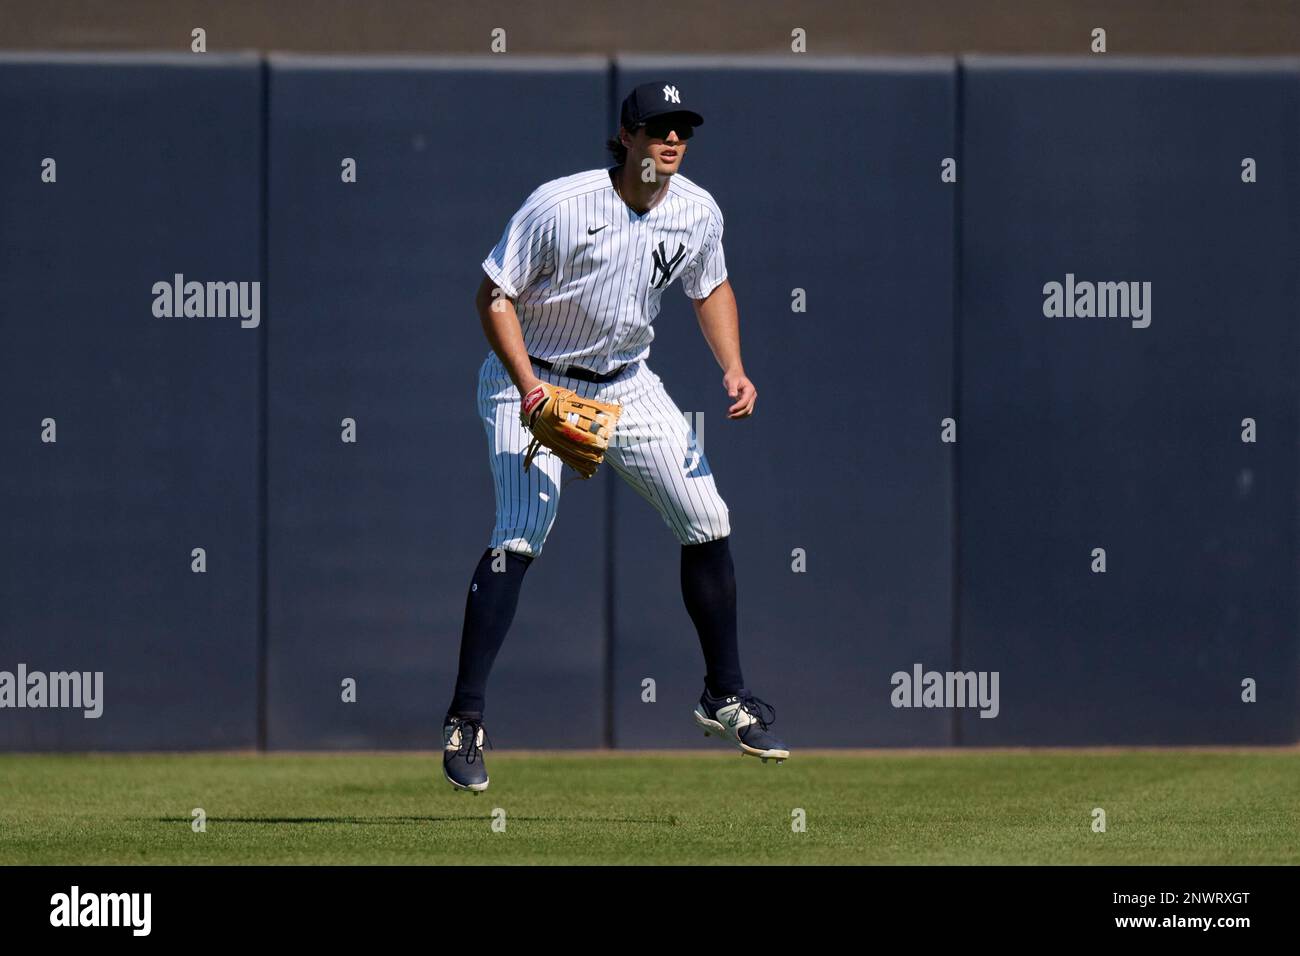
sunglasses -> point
(660, 128)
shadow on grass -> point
(388, 821)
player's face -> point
(662, 140)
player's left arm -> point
(720, 322)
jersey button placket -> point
(640, 261)
(634, 272)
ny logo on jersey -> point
(671, 95)
(664, 266)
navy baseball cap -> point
(655, 99)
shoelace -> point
(469, 731)
(754, 706)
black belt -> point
(583, 374)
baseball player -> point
(567, 304)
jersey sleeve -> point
(526, 249)
(708, 269)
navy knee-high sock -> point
(489, 609)
(709, 590)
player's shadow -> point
(384, 821)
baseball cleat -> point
(462, 754)
(741, 719)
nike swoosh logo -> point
(592, 232)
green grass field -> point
(1032, 807)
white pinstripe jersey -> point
(587, 272)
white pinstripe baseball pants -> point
(654, 450)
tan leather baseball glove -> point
(577, 430)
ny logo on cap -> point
(671, 95)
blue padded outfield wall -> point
(879, 297)
(157, 171)
(1081, 433)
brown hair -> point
(617, 150)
